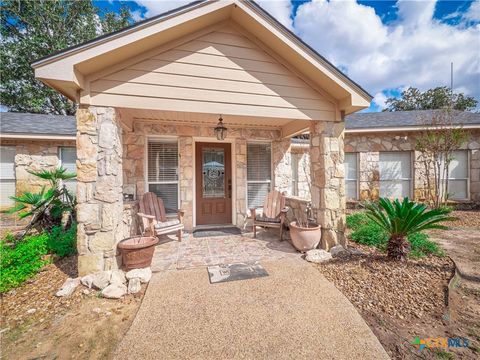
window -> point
(295, 164)
(458, 175)
(259, 173)
(68, 158)
(395, 174)
(351, 177)
(7, 175)
(162, 171)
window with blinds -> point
(162, 171)
(7, 175)
(259, 173)
(457, 175)
(295, 163)
(395, 174)
(351, 176)
(68, 158)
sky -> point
(385, 46)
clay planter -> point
(137, 251)
(304, 238)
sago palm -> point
(400, 219)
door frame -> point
(234, 175)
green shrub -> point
(422, 246)
(367, 232)
(356, 220)
(61, 242)
(370, 234)
(22, 261)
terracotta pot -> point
(137, 251)
(303, 238)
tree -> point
(436, 143)
(47, 208)
(437, 98)
(34, 29)
(400, 219)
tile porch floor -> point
(170, 254)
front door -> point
(213, 180)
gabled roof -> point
(68, 70)
(45, 125)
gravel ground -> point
(402, 301)
(35, 324)
(466, 219)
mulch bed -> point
(399, 301)
(35, 299)
(466, 219)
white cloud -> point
(380, 99)
(415, 50)
(279, 9)
(155, 7)
(473, 12)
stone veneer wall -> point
(31, 155)
(368, 146)
(34, 155)
(134, 145)
(100, 209)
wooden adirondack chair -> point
(273, 215)
(153, 218)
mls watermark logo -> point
(440, 342)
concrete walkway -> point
(294, 313)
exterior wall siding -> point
(221, 72)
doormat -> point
(200, 233)
(233, 272)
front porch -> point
(193, 252)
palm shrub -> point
(47, 207)
(401, 219)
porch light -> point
(220, 129)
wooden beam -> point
(294, 128)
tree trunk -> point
(398, 248)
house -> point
(381, 160)
(151, 95)
(33, 142)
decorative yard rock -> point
(87, 280)
(68, 287)
(134, 286)
(339, 251)
(102, 279)
(118, 277)
(143, 274)
(114, 291)
(318, 256)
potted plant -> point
(304, 231)
(137, 251)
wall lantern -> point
(220, 129)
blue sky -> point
(383, 45)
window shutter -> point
(68, 158)
(395, 174)
(163, 171)
(259, 173)
(458, 175)
(7, 174)
(351, 172)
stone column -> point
(99, 189)
(328, 180)
(282, 165)
(185, 144)
(241, 181)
